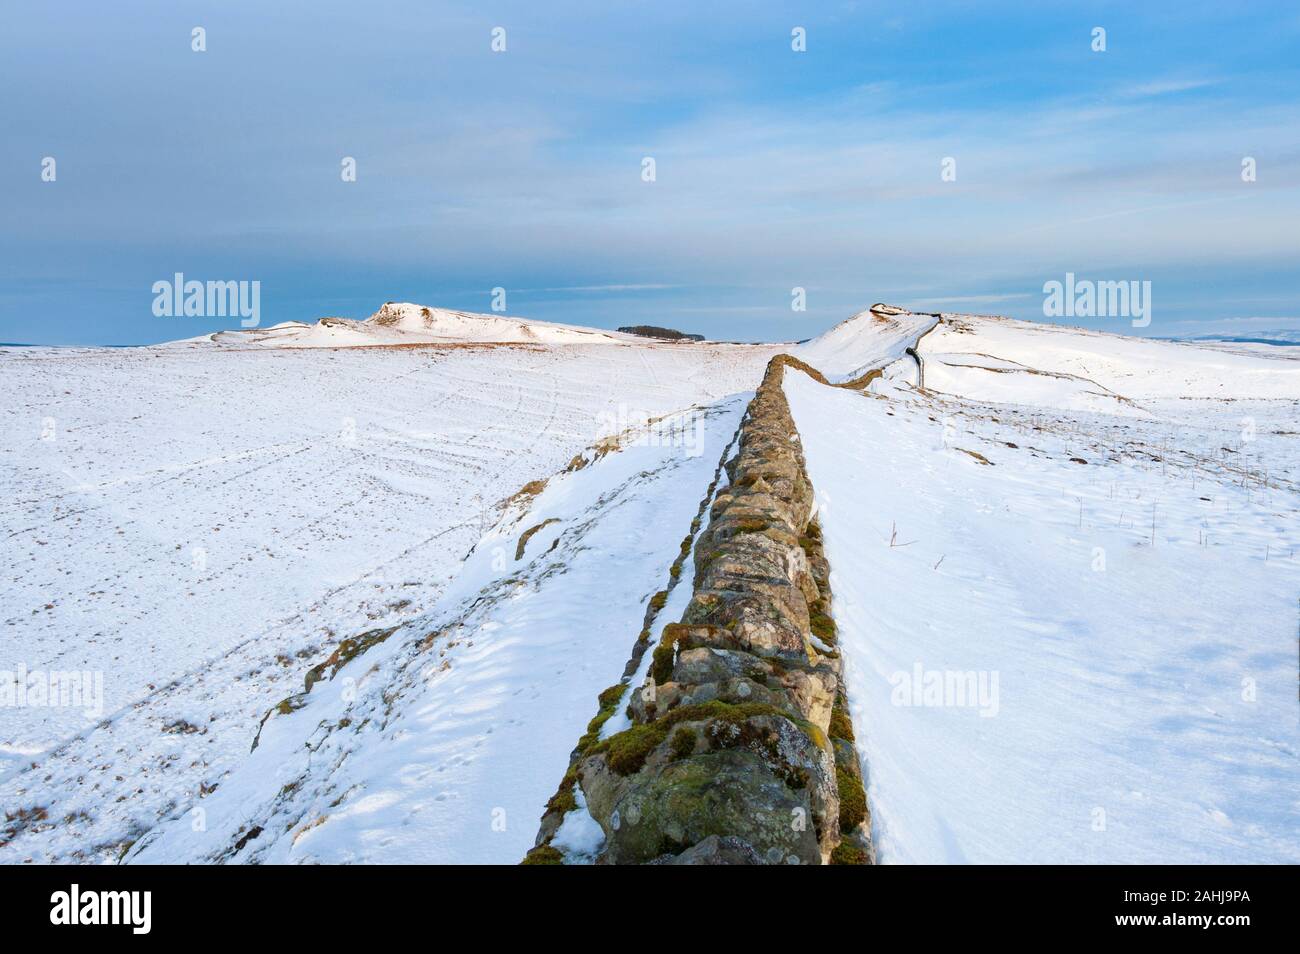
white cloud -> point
(1163, 87)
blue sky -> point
(522, 169)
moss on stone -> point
(683, 742)
(609, 700)
(610, 697)
(626, 752)
(543, 855)
(814, 733)
(846, 853)
(853, 800)
(841, 725)
(661, 664)
(564, 800)
(823, 627)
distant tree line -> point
(652, 331)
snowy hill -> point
(402, 323)
(1065, 578)
(1137, 369)
(867, 340)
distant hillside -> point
(651, 331)
(404, 323)
(1280, 337)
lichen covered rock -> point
(738, 752)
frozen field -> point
(442, 744)
(1088, 540)
(1066, 582)
(200, 523)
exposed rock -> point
(727, 850)
(728, 792)
(813, 691)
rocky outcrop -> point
(741, 750)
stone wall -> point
(741, 749)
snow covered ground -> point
(1094, 535)
(1066, 583)
(198, 524)
(443, 744)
